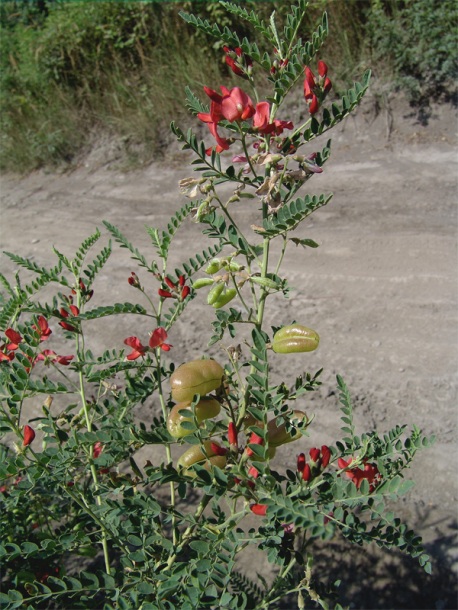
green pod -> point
(202, 282)
(215, 293)
(216, 460)
(214, 265)
(295, 338)
(195, 377)
(206, 408)
(277, 435)
(204, 456)
(224, 298)
(264, 281)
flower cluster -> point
(235, 106)
(173, 290)
(315, 90)
(319, 459)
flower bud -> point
(29, 435)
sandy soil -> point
(381, 290)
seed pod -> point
(213, 266)
(202, 282)
(234, 266)
(206, 408)
(264, 281)
(215, 293)
(195, 377)
(216, 460)
(196, 455)
(224, 298)
(295, 338)
(277, 435)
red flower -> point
(97, 449)
(314, 92)
(306, 473)
(314, 454)
(158, 339)
(254, 439)
(232, 56)
(43, 328)
(357, 475)
(14, 337)
(217, 449)
(185, 292)
(165, 294)
(253, 472)
(175, 291)
(322, 68)
(133, 280)
(259, 509)
(137, 348)
(232, 436)
(301, 462)
(29, 435)
(74, 311)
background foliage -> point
(120, 68)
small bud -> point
(301, 462)
(306, 473)
(232, 435)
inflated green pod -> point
(277, 435)
(206, 408)
(195, 377)
(295, 338)
(196, 455)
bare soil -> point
(381, 291)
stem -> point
(85, 408)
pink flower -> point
(158, 339)
(29, 435)
(137, 348)
(48, 356)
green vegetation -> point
(71, 71)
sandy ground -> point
(381, 291)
